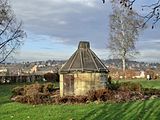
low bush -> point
(151, 92)
(33, 94)
(38, 98)
(69, 99)
(127, 86)
(81, 99)
(100, 95)
(91, 95)
(51, 77)
(113, 85)
(117, 92)
(18, 91)
(48, 87)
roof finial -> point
(84, 44)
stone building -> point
(83, 71)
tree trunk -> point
(124, 67)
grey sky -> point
(64, 23)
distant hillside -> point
(116, 63)
(131, 64)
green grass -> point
(145, 83)
(139, 110)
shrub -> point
(124, 87)
(32, 94)
(81, 99)
(150, 92)
(91, 95)
(136, 87)
(48, 87)
(100, 95)
(113, 85)
(117, 92)
(37, 98)
(35, 94)
(66, 99)
(70, 99)
(18, 91)
(19, 98)
(52, 77)
(127, 86)
(122, 96)
(33, 89)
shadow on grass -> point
(4, 102)
(140, 110)
(137, 110)
(5, 93)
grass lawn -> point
(145, 83)
(139, 110)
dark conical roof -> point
(84, 59)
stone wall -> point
(80, 83)
(20, 78)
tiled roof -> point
(84, 59)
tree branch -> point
(153, 14)
(10, 31)
(6, 26)
(12, 37)
(6, 55)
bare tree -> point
(153, 9)
(124, 30)
(11, 33)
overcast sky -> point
(55, 27)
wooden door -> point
(68, 85)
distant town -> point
(30, 71)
